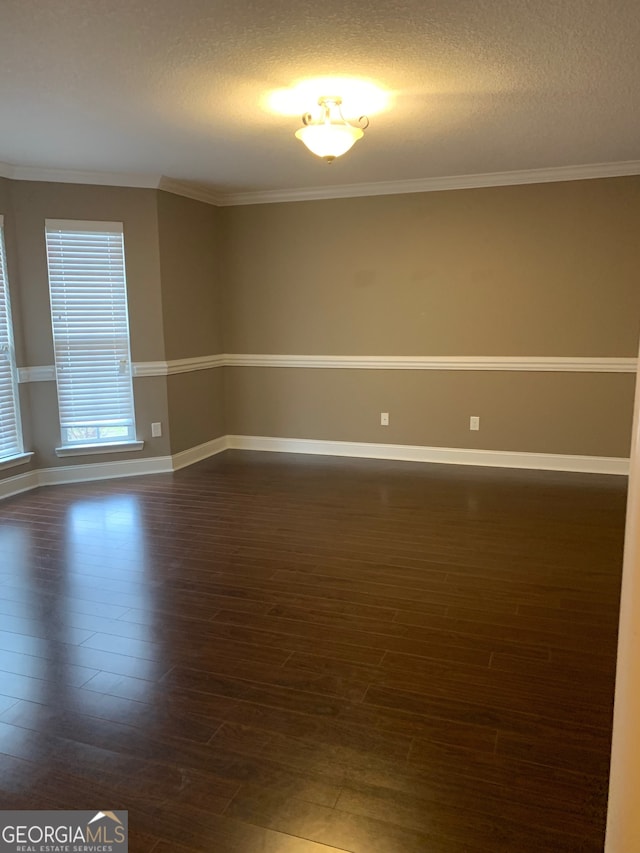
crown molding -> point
(197, 192)
(74, 176)
(113, 179)
(453, 182)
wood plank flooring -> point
(286, 654)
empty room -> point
(319, 465)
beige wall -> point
(150, 394)
(549, 269)
(34, 202)
(6, 209)
(189, 261)
(545, 269)
(196, 406)
(31, 204)
(540, 270)
(527, 412)
(172, 254)
(190, 253)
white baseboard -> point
(103, 470)
(448, 455)
(17, 484)
(109, 470)
(84, 473)
(402, 452)
(200, 452)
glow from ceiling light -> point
(360, 96)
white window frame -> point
(67, 278)
(13, 455)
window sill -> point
(93, 449)
(12, 461)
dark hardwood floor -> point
(287, 654)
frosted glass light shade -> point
(328, 140)
(330, 135)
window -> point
(10, 428)
(88, 292)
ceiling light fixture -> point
(330, 135)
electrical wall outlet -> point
(156, 430)
(384, 418)
(474, 422)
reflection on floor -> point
(279, 654)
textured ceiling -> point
(178, 88)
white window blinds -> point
(10, 430)
(90, 321)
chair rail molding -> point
(531, 364)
